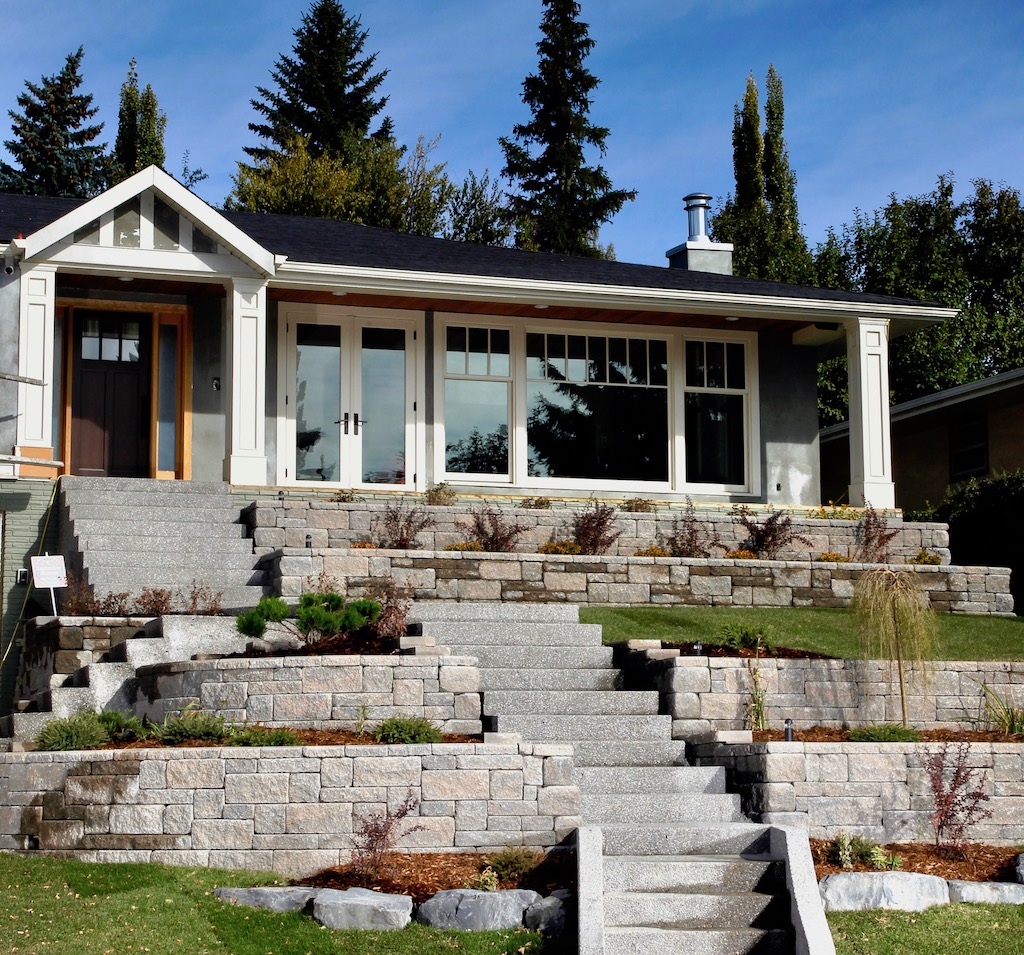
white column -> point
(247, 327)
(867, 348)
(35, 360)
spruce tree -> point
(53, 147)
(325, 92)
(560, 202)
(140, 128)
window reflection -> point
(476, 426)
(317, 402)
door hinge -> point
(414, 477)
(414, 334)
(414, 406)
(286, 401)
(286, 472)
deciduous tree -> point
(140, 128)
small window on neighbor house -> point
(968, 449)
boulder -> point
(1008, 893)
(547, 915)
(907, 891)
(361, 908)
(1020, 868)
(274, 898)
(475, 910)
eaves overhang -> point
(420, 284)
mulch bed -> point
(423, 874)
(307, 738)
(981, 863)
(823, 734)
(348, 644)
(714, 650)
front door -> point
(350, 401)
(110, 406)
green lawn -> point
(942, 930)
(62, 907)
(832, 632)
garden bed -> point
(307, 737)
(981, 863)
(825, 734)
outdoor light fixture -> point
(698, 648)
(280, 495)
(789, 730)
(309, 541)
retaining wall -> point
(326, 692)
(285, 809)
(705, 694)
(286, 523)
(624, 581)
(877, 790)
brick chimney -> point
(698, 252)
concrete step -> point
(198, 512)
(632, 753)
(23, 726)
(483, 633)
(573, 728)
(115, 580)
(749, 840)
(75, 485)
(167, 495)
(569, 702)
(197, 541)
(558, 658)
(691, 873)
(650, 779)
(711, 910)
(548, 678)
(91, 530)
(450, 611)
(662, 941)
(681, 808)
(133, 556)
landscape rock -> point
(361, 908)
(1004, 893)
(906, 891)
(1020, 868)
(273, 898)
(474, 910)
(546, 916)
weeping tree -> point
(896, 624)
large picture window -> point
(715, 398)
(597, 407)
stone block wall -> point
(708, 694)
(286, 523)
(326, 692)
(283, 809)
(624, 581)
(877, 790)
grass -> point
(832, 632)
(943, 930)
(62, 907)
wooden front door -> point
(110, 405)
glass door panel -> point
(317, 402)
(382, 418)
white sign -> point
(49, 572)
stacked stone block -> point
(624, 581)
(877, 790)
(285, 809)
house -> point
(973, 430)
(147, 334)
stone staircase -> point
(123, 535)
(683, 869)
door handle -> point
(344, 422)
(357, 422)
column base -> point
(247, 470)
(881, 495)
(41, 470)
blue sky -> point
(881, 95)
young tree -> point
(477, 212)
(326, 92)
(140, 128)
(52, 144)
(561, 202)
(761, 218)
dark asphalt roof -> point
(328, 242)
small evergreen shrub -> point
(740, 553)
(832, 557)
(473, 547)
(486, 881)
(885, 733)
(121, 728)
(324, 614)
(568, 547)
(363, 545)
(407, 729)
(740, 636)
(253, 623)
(653, 551)
(440, 495)
(81, 731)
(262, 736)
(536, 504)
(638, 505)
(925, 556)
(191, 724)
(514, 863)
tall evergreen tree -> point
(326, 92)
(561, 202)
(140, 128)
(53, 146)
(761, 218)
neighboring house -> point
(969, 431)
(156, 336)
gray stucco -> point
(789, 421)
(209, 407)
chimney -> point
(698, 253)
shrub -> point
(395, 603)
(81, 731)
(253, 622)
(153, 602)
(398, 527)
(440, 495)
(407, 729)
(999, 712)
(200, 600)
(925, 556)
(834, 512)
(262, 736)
(190, 724)
(377, 833)
(324, 614)
(486, 881)
(638, 505)
(121, 728)
(80, 601)
(740, 554)
(343, 497)
(536, 503)
(741, 636)
(514, 863)
(474, 547)
(592, 528)
(847, 851)
(770, 538)
(957, 798)
(873, 536)
(896, 624)
(690, 537)
(362, 545)
(885, 733)
(491, 530)
(652, 551)
(833, 557)
(559, 547)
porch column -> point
(247, 330)
(867, 349)
(35, 360)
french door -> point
(349, 401)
